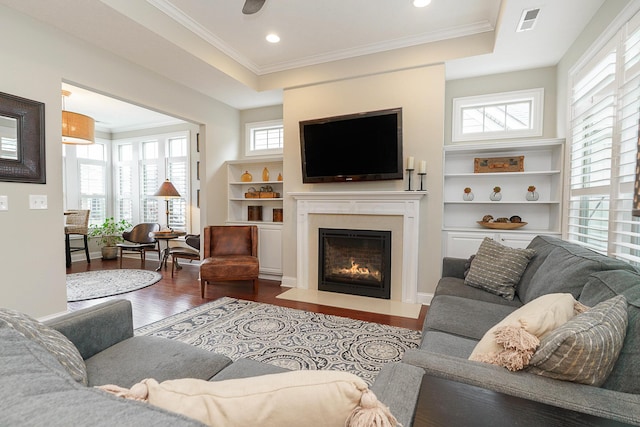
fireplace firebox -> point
(355, 262)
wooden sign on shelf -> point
(498, 164)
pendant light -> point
(77, 129)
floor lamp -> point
(168, 191)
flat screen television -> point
(355, 147)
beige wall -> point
(507, 82)
(420, 93)
(36, 59)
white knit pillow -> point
(292, 399)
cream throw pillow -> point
(512, 342)
(296, 398)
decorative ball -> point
(487, 218)
(515, 218)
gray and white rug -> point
(104, 283)
(294, 339)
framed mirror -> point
(21, 140)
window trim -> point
(250, 128)
(536, 96)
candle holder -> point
(421, 174)
(409, 173)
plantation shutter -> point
(604, 131)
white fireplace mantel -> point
(393, 203)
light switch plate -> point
(4, 203)
(37, 201)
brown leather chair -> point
(230, 253)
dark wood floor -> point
(182, 292)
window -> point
(264, 138)
(87, 172)
(498, 115)
(141, 165)
(605, 101)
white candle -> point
(423, 166)
(410, 163)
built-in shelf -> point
(542, 169)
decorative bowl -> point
(502, 225)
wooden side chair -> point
(76, 223)
(139, 240)
(180, 252)
(230, 253)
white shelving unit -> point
(542, 168)
(269, 232)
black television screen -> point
(356, 147)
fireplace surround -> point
(402, 206)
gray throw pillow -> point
(585, 349)
(497, 268)
(53, 341)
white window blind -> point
(604, 134)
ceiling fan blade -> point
(252, 6)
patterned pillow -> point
(53, 341)
(497, 268)
(584, 349)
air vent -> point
(528, 19)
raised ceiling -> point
(212, 47)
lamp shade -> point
(167, 190)
(77, 128)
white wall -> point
(420, 92)
(507, 82)
(36, 59)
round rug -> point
(104, 283)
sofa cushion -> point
(56, 343)
(137, 358)
(601, 286)
(585, 348)
(543, 245)
(566, 269)
(443, 343)
(538, 318)
(36, 390)
(464, 317)
(456, 287)
(497, 268)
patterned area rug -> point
(104, 283)
(294, 339)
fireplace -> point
(355, 262)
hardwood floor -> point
(182, 292)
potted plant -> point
(110, 233)
(532, 194)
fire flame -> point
(356, 270)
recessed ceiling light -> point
(421, 3)
(273, 38)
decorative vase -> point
(246, 177)
(532, 196)
(265, 174)
(467, 197)
(495, 196)
(279, 177)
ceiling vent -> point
(528, 19)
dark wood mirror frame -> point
(30, 165)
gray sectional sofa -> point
(460, 315)
(36, 390)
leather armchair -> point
(230, 253)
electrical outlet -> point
(37, 201)
(4, 203)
